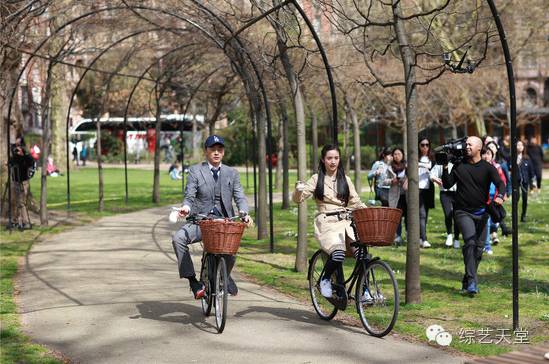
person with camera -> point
(473, 177)
(211, 188)
(22, 167)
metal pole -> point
(514, 175)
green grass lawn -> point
(441, 273)
(441, 268)
(85, 190)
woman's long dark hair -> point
(341, 181)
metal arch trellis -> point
(34, 53)
(130, 97)
(241, 46)
(18, 79)
(75, 90)
(514, 176)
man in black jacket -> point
(473, 178)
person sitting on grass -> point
(175, 171)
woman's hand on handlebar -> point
(300, 186)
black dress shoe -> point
(198, 289)
(231, 287)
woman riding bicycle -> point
(332, 190)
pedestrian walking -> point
(426, 189)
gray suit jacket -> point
(200, 195)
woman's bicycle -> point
(375, 288)
(220, 238)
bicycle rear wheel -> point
(207, 278)
(221, 294)
(377, 298)
(323, 307)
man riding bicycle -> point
(210, 189)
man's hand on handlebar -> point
(247, 219)
(184, 211)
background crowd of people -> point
(388, 178)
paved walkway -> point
(109, 293)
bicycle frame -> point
(359, 264)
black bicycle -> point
(375, 287)
(214, 276)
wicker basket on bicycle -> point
(377, 226)
(221, 236)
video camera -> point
(455, 151)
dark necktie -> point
(215, 173)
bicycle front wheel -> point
(221, 294)
(323, 307)
(377, 299)
(207, 278)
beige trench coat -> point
(330, 232)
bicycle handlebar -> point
(339, 212)
(196, 218)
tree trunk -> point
(59, 110)
(454, 129)
(413, 287)
(314, 134)
(261, 218)
(346, 152)
(278, 175)
(299, 107)
(46, 146)
(158, 130)
(356, 142)
(101, 205)
(404, 128)
(11, 59)
(285, 164)
(196, 151)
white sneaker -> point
(367, 297)
(326, 288)
(456, 244)
(425, 244)
(398, 240)
(449, 240)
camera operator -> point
(473, 178)
(22, 169)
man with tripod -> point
(473, 178)
(22, 169)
